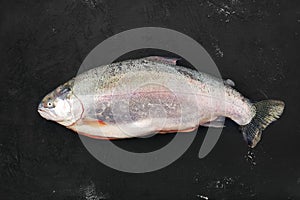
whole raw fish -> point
(136, 98)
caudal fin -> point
(267, 111)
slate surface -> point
(255, 43)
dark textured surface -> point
(255, 43)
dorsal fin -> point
(171, 61)
(229, 82)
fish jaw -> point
(45, 113)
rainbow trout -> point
(136, 98)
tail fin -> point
(266, 112)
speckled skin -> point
(137, 97)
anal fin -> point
(217, 123)
(174, 131)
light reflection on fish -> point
(136, 98)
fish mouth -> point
(44, 113)
(48, 116)
(40, 106)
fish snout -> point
(40, 106)
(41, 110)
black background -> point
(43, 43)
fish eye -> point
(49, 104)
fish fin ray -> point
(175, 131)
(217, 123)
(93, 122)
(166, 60)
(229, 82)
(267, 111)
(97, 137)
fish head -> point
(61, 106)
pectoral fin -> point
(97, 137)
(92, 122)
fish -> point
(140, 97)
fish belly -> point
(144, 112)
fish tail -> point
(267, 111)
